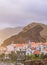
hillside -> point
(35, 32)
(8, 32)
(36, 62)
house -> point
(37, 52)
(10, 48)
(33, 49)
(28, 51)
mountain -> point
(8, 32)
(35, 32)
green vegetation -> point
(41, 56)
(13, 56)
(34, 57)
(2, 57)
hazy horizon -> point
(12, 27)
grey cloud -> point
(22, 12)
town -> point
(29, 48)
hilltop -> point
(35, 32)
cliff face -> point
(32, 32)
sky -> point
(15, 13)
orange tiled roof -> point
(20, 45)
(37, 52)
(33, 44)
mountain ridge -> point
(32, 32)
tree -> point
(2, 56)
(13, 56)
(41, 56)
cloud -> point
(22, 12)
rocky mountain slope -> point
(35, 32)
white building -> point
(28, 49)
(10, 48)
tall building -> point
(29, 44)
(42, 48)
(28, 50)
